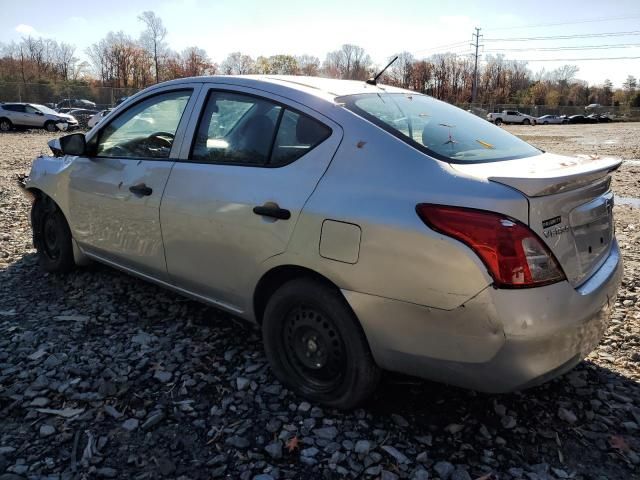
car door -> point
(233, 199)
(17, 115)
(33, 117)
(115, 192)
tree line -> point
(122, 61)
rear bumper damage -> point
(500, 340)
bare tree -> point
(237, 63)
(350, 62)
(308, 65)
(154, 35)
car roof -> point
(327, 88)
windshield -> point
(44, 109)
(437, 128)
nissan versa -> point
(363, 227)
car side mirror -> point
(74, 144)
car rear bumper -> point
(500, 340)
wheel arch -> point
(278, 276)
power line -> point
(574, 59)
(553, 49)
(566, 37)
(594, 20)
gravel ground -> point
(105, 376)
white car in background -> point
(93, 121)
(511, 116)
(551, 120)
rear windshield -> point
(437, 128)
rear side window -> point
(296, 136)
(14, 108)
(242, 129)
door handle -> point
(273, 211)
(141, 189)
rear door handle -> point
(141, 189)
(273, 211)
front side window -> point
(146, 130)
(245, 130)
(437, 128)
(30, 109)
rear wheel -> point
(50, 126)
(5, 125)
(316, 346)
(51, 236)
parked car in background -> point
(551, 120)
(362, 228)
(97, 118)
(83, 115)
(76, 103)
(63, 110)
(32, 115)
(582, 119)
(511, 116)
(599, 118)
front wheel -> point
(51, 236)
(50, 126)
(498, 121)
(526, 121)
(316, 346)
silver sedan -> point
(362, 227)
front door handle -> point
(141, 189)
(272, 210)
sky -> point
(297, 27)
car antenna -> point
(374, 80)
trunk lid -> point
(570, 204)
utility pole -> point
(475, 38)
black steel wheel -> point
(51, 236)
(316, 345)
(5, 125)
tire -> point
(51, 236)
(5, 125)
(545, 123)
(50, 126)
(316, 346)
(498, 121)
(526, 121)
(565, 122)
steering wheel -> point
(163, 138)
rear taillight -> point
(514, 255)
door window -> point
(146, 130)
(246, 130)
(30, 109)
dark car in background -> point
(582, 119)
(76, 103)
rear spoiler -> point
(565, 176)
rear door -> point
(233, 199)
(115, 193)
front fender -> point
(49, 175)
